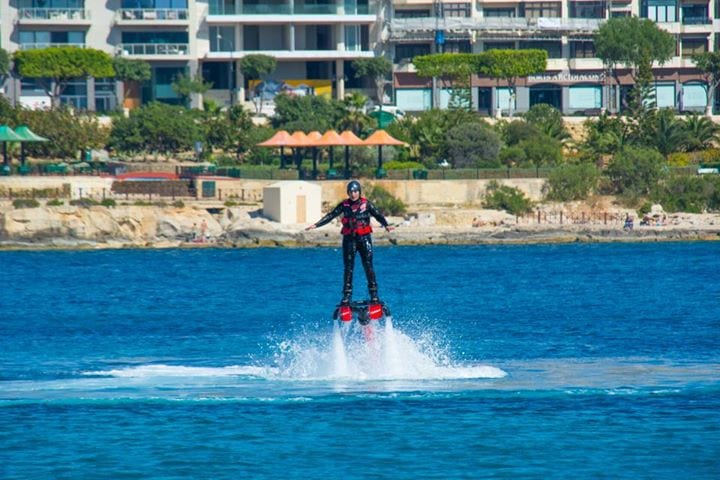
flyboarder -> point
(357, 237)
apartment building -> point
(575, 81)
(314, 41)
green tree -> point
(355, 118)
(254, 67)
(157, 128)
(68, 134)
(708, 63)
(510, 199)
(542, 150)
(571, 182)
(509, 65)
(682, 193)
(701, 132)
(132, 72)
(455, 70)
(376, 69)
(186, 86)
(548, 120)
(4, 63)
(664, 132)
(512, 156)
(636, 170)
(55, 67)
(605, 135)
(516, 131)
(471, 145)
(307, 113)
(635, 43)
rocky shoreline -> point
(70, 227)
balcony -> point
(281, 13)
(401, 27)
(36, 45)
(53, 16)
(152, 16)
(161, 50)
(303, 55)
(697, 20)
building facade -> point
(575, 81)
(316, 41)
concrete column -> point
(340, 82)
(565, 47)
(474, 99)
(120, 93)
(494, 110)
(565, 99)
(91, 94)
(291, 34)
(522, 99)
(239, 77)
(196, 99)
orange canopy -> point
(280, 139)
(381, 137)
(351, 139)
(298, 139)
(330, 139)
(313, 137)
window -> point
(587, 10)
(459, 46)
(156, 36)
(542, 9)
(692, 46)
(412, 13)
(222, 39)
(499, 12)
(660, 10)
(695, 15)
(694, 95)
(105, 99)
(554, 49)
(221, 74)
(455, 9)
(151, 4)
(410, 51)
(585, 97)
(582, 49)
(51, 4)
(40, 38)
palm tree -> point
(701, 132)
(666, 133)
(355, 118)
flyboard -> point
(365, 312)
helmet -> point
(354, 185)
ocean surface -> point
(562, 361)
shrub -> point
(512, 156)
(542, 150)
(84, 202)
(690, 194)
(25, 203)
(678, 159)
(636, 170)
(55, 202)
(178, 204)
(398, 165)
(473, 145)
(108, 202)
(548, 120)
(510, 199)
(385, 202)
(710, 156)
(572, 182)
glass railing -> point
(153, 48)
(152, 14)
(36, 45)
(700, 20)
(282, 9)
(59, 14)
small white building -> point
(292, 201)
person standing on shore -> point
(356, 211)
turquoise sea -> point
(563, 361)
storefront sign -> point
(567, 77)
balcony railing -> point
(153, 14)
(292, 10)
(35, 45)
(696, 20)
(153, 48)
(430, 24)
(59, 14)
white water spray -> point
(339, 358)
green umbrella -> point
(8, 135)
(27, 136)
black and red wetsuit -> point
(356, 232)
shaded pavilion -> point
(381, 138)
(351, 140)
(281, 140)
(297, 141)
(27, 136)
(312, 139)
(7, 134)
(330, 139)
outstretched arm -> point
(327, 218)
(379, 216)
